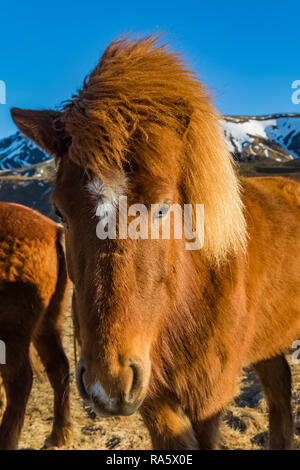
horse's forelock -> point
(139, 93)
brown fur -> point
(33, 283)
(193, 319)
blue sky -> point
(248, 53)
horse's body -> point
(33, 281)
(164, 329)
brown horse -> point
(165, 329)
(33, 281)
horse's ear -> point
(44, 127)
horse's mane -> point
(139, 92)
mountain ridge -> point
(275, 136)
(260, 144)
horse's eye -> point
(59, 215)
(161, 212)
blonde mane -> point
(139, 91)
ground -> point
(244, 425)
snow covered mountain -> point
(26, 172)
(251, 138)
(16, 151)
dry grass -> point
(244, 425)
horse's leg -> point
(275, 377)
(49, 346)
(207, 432)
(169, 427)
(17, 381)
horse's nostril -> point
(137, 380)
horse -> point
(165, 329)
(33, 283)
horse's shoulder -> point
(272, 186)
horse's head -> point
(122, 286)
(141, 132)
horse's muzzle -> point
(123, 401)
